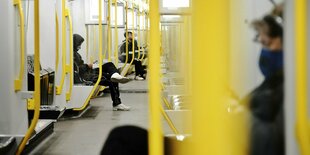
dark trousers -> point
(108, 69)
(138, 64)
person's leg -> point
(114, 90)
(109, 69)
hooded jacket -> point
(79, 66)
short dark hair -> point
(272, 25)
(125, 34)
(275, 28)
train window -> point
(92, 11)
(120, 15)
(130, 22)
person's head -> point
(77, 42)
(270, 32)
(129, 35)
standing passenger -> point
(266, 101)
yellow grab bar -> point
(109, 31)
(143, 50)
(70, 67)
(57, 40)
(126, 61)
(116, 35)
(87, 44)
(37, 78)
(209, 85)
(18, 83)
(64, 47)
(100, 60)
(139, 33)
(301, 76)
(169, 121)
(155, 134)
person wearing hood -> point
(266, 101)
(110, 75)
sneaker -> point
(121, 107)
(138, 78)
(119, 79)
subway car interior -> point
(157, 77)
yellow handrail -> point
(301, 76)
(126, 61)
(37, 78)
(209, 85)
(116, 34)
(155, 134)
(169, 121)
(109, 31)
(143, 50)
(167, 103)
(100, 60)
(87, 43)
(18, 83)
(70, 67)
(59, 88)
(139, 33)
(57, 40)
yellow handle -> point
(59, 88)
(37, 78)
(155, 134)
(70, 68)
(18, 84)
(139, 33)
(301, 79)
(57, 40)
(169, 121)
(109, 31)
(116, 34)
(100, 60)
(126, 61)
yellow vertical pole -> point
(210, 21)
(116, 34)
(109, 31)
(18, 83)
(57, 40)
(94, 44)
(64, 48)
(70, 66)
(126, 61)
(36, 80)
(155, 131)
(139, 33)
(301, 76)
(87, 43)
(133, 32)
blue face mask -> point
(270, 62)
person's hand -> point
(90, 66)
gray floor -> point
(86, 135)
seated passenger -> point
(140, 70)
(110, 76)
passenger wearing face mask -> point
(266, 101)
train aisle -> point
(87, 134)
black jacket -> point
(80, 67)
(266, 105)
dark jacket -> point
(266, 105)
(80, 67)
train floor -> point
(86, 135)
